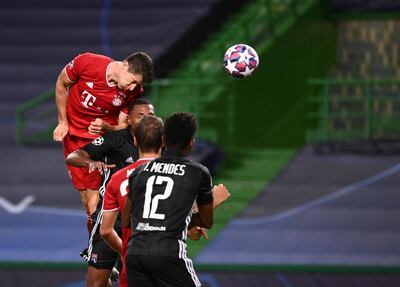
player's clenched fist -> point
(96, 126)
(60, 132)
(221, 194)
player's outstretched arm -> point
(61, 96)
(108, 233)
(80, 158)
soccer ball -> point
(240, 60)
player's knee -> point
(92, 205)
(84, 201)
(92, 200)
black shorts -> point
(166, 271)
(103, 256)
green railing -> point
(354, 110)
(36, 119)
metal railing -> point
(354, 110)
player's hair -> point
(138, 102)
(179, 130)
(149, 134)
(141, 63)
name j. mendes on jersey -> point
(167, 168)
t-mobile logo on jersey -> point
(89, 99)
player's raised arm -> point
(61, 97)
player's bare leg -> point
(90, 198)
(98, 277)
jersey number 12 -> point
(151, 203)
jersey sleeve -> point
(111, 196)
(77, 66)
(205, 190)
(100, 147)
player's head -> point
(137, 110)
(136, 69)
(148, 134)
(179, 130)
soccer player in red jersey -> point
(148, 137)
(92, 95)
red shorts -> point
(80, 176)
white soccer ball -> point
(240, 60)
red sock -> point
(89, 223)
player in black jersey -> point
(107, 153)
(159, 210)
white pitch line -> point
(345, 190)
(16, 208)
(56, 211)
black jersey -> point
(162, 193)
(113, 148)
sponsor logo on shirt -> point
(146, 227)
(98, 141)
(129, 159)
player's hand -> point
(60, 132)
(96, 126)
(195, 233)
(100, 166)
(221, 194)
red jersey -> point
(91, 96)
(115, 199)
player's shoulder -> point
(92, 61)
(137, 165)
(196, 166)
(93, 56)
